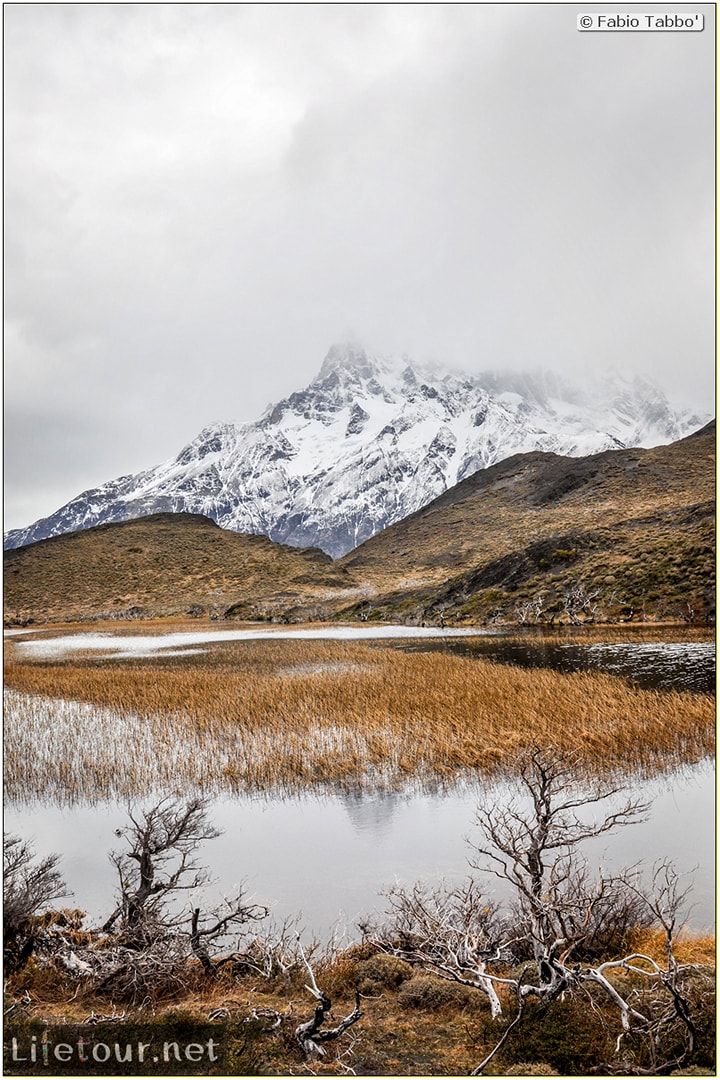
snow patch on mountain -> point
(369, 441)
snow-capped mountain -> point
(368, 442)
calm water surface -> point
(652, 665)
(331, 857)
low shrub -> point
(693, 1070)
(431, 993)
(382, 972)
(565, 1035)
(531, 1068)
(338, 976)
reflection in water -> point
(331, 857)
(371, 812)
(656, 665)
(687, 665)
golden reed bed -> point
(284, 716)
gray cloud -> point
(201, 198)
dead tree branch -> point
(309, 1035)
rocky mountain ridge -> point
(369, 441)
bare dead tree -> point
(530, 611)
(159, 861)
(452, 931)
(564, 920)
(275, 952)
(210, 929)
(579, 600)
(670, 1005)
(311, 1035)
(536, 850)
(687, 613)
(30, 885)
(150, 937)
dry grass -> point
(391, 1039)
(283, 716)
(602, 633)
(687, 949)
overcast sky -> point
(201, 199)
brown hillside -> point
(637, 525)
(165, 564)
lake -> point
(329, 857)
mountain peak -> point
(347, 358)
(372, 439)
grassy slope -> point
(166, 564)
